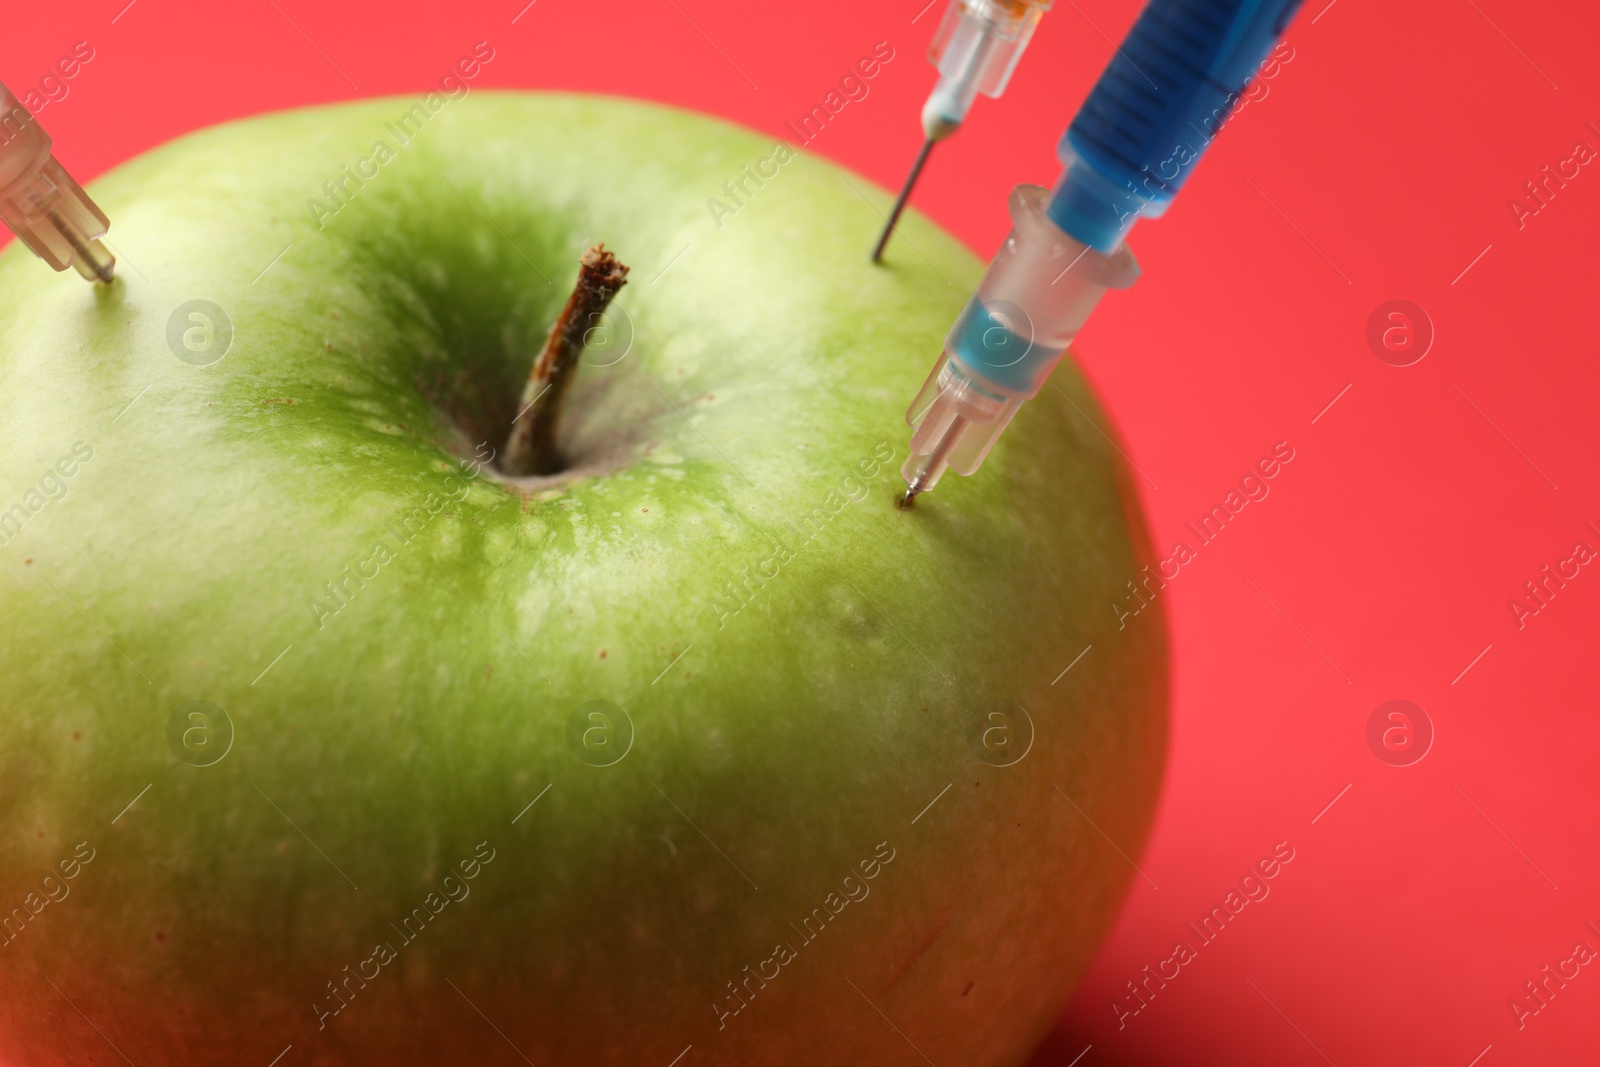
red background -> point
(1379, 166)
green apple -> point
(321, 735)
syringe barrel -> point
(24, 146)
(1039, 290)
(1164, 96)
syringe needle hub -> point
(42, 204)
(89, 254)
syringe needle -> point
(900, 201)
(933, 465)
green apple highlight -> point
(352, 744)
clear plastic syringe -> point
(1155, 110)
(976, 48)
(41, 203)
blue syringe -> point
(1155, 110)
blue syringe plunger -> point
(1161, 101)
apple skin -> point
(752, 434)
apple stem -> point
(531, 448)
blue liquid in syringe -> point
(988, 343)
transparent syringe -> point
(41, 203)
(1155, 110)
(976, 48)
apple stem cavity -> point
(531, 448)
